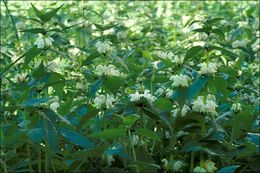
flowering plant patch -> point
(154, 86)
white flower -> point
(135, 140)
(110, 159)
(54, 106)
(185, 109)
(20, 77)
(159, 91)
(198, 104)
(148, 96)
(205, 106)
(48, 41)
(167, 135)
(178, 60)
(100, 100)
(236, 107)
(169, 93)
(103, 47)
(42, 42)
(135, 97)
(210, 106)
(210, 166)
(121, 34)
(177, 165)
(165, 163)
(39, 42)
(209, 68)
(180, 80)
(109, 70)
(199, 170)
(110, 101)
(155, 64)
(165, 55)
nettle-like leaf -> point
(45, 17)
(109, 134)
(76, 138)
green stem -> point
(9, 14)
(39, 161)
(133, 149)
(12, 64)
(192, 161)
(28, 148)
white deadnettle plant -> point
(207, 68)
(180, 80)
(41, 42)
(107, 101)
(137, 96)
(103, 47)
(199, 169)
(109, 70)
(165, 55)
(54, 106)
(205, 105)
(236, 107)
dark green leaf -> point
(147, 133)
(76, 138)
(30, 54)
(109, 134)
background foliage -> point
(62, 111)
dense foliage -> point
(130, 86)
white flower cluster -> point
(178, 60)
(203, 105)
(54, 106)
(137, 96)
(180, 80)
(207, 69)
(185, 109)
(109, 70)
(103, 47)
(110, 159)
(210, 166)
(121, 34)
(162, 90)
(176, 166)
(41, 42)
(165, 55)
(199, 169)
(236, 107)
(104, 100)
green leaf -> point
(193, 52)
(109, 134)
(148, 133)
(205, 29)
(219, 32)
(214, 20)
(35, 30)
(36, 101)
(50, 135)
(39, 72)
(76, 138)
(246, 150)
(224, 51)
(38, 13)
(163, 104)
(36, 134)
(47, 16)
(130, 119)
(113, 83)
(96, 87)
(228, 169)
(30, 54)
